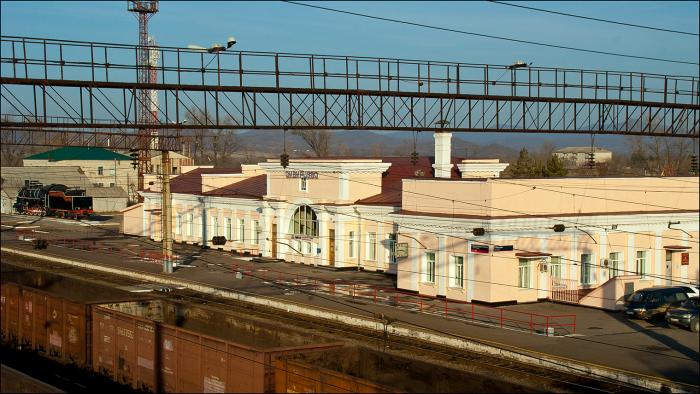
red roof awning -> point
(532, 255)
(676, 247)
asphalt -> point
(601, 338)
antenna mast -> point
(145, 71)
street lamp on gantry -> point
(214, 48)
(519, 64)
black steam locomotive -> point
(53, 200)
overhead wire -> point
(503, 38)
(595, 19)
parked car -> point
(651, 303)
(685, 314)
(691, 290)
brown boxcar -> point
(173, 347)
(363, 370)
(51, 313)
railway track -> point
(537, 379)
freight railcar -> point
(53, 200)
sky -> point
(276, 26)
(281, 27)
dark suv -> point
(651, 303)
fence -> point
(146, 255)
(500, 317)
(564, 290)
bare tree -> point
(317, 140)
(662, 155)
(211, 145)
(345, 150)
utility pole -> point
(166, 224)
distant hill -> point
(471, 145)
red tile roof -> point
(253, 187)
(402, 168)
(191, 182)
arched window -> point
(304, 222)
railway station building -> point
(445, 227)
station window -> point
(429, 267)
(641, 262)
(371, 246)
(214, 226)
(458, 270)
(351, 244)
(615, 264)
(241, 230)
(229, 229)
(586, 269)
(256, 232)
(555, 267)
(524, 273)
(303, 184)
(100, 170)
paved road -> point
(601, 338)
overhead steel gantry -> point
(58, 92)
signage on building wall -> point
(301, 174)
(502, 248)
(401, 250)
(685, 258)
(480, 248)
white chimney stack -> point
(443, 152)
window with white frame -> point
(641, 262)
(351, 244)
(524, 273)
(457, 265)
(304, 222)
(214, 226)
(615, 264)
(190, 224)
(178, 223)
(308, 247)
(429, 266)
(100, 170)
(256, 232)
(371, 246)
(391, 243)
(229, 229)
(555, 267)
(241, 230)
(586, 269)
(303, 184)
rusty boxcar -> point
(169, 346)
(51, 313)
(362, 370)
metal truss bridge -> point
(58, 92)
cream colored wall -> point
(125, 174)
(364, 185)
(495, 275)
(132, 220)
(323, 189)
(535, 196)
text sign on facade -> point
(301, 174)
(401, 250)
(685, 258)
(502, 248)
(480, 248)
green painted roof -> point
(78, 153)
